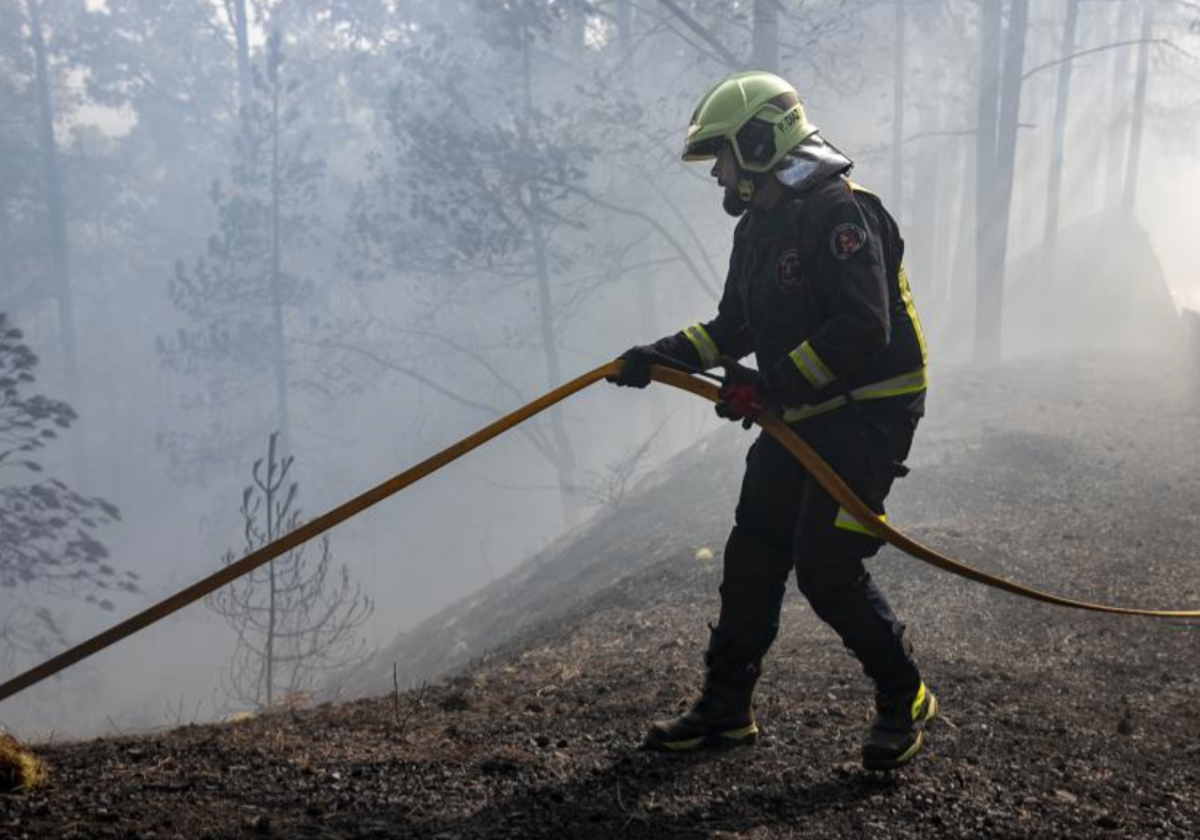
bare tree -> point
(535, 213)
(235, 10)
(295, 621)
(28, 630)
(608, 488)
(55, 199)
(899, 72)
(1000, 84)
(1118, 132)
(1137, 124)
(488, 214)
(1057, 153)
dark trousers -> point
(786, 521)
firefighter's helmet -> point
(759, 114)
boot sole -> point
(744, 737)
(909, 754)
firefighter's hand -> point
(635, 372)
(744, 394)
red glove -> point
(744, 394)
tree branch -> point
(701, 32)
(1092, 51)
(388, 364)
(653, 222)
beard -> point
(733, 203)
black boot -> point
(903, 705)
(898, 732)
(722, 716)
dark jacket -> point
(817, 291)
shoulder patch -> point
(846, 240)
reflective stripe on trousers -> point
(846, 521)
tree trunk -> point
(1061, 101)
(1191, 326)
(269, 642)
(1118, 132)
(1006, 153)
(56, 212)
(565, 460)
(766, 35)
(278, 338)
(647, 299)
(961, 254)
(986, 295)
(241, 33)
(564, 452)
(926, 221)
(961, 207)
(625, 30)
(899, 68)
(1137, 124)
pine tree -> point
(242, 294)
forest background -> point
(370, 226)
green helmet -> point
(760, 115)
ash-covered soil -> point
(1081, 476)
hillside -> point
(1081, 475)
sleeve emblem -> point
(847, 240)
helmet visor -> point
(705, 149)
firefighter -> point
(817, 290)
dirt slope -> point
(1057, 724)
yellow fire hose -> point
(770, 423)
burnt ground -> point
(1080, 476)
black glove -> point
(744, 394)
(635, 373)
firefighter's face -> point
(725, 168)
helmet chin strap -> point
(745, 189)
(738, 201)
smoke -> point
(639, 259)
